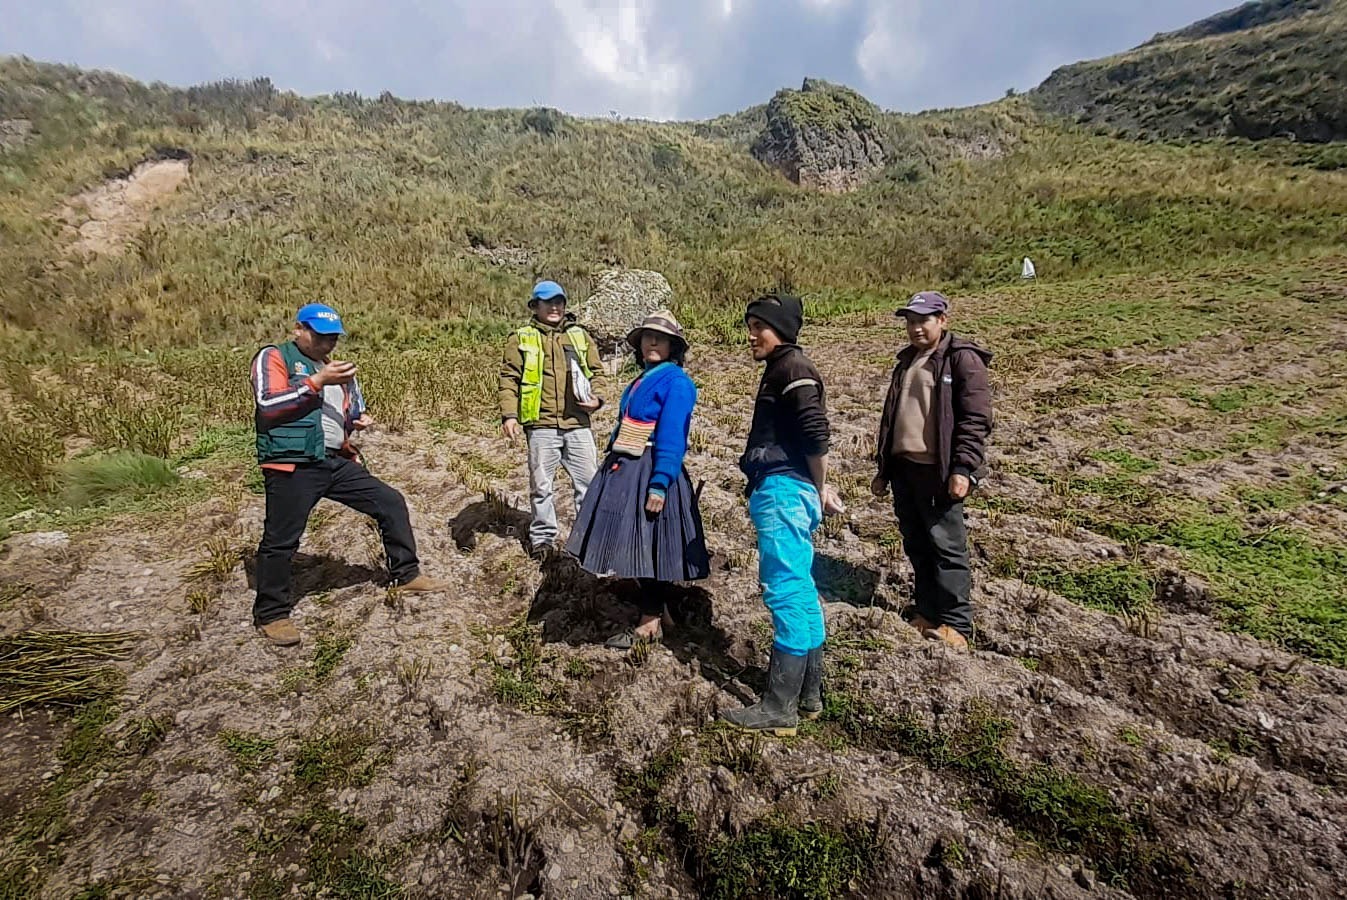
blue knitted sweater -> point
(665, 395)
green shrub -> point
(123, 475)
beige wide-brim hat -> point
(662, 321)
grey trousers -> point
(935, 540)
(550, 448)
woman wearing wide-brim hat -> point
(640, 518)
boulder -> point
(14, 133)
(823, 136)
(621, 299)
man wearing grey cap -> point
(932, 445)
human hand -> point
(365, 421)
(654, 503)
(510, 428)
(958, 486)
(334, 373)
(832, 503)
(879, 486)
(589, 405)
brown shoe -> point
(281, 632)
(948, 635)
(424, 584)
(921, 623)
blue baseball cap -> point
(546, 290)
(319, 317)
(926, 303)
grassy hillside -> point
(1271, 69)
(392, 210)
(1159, 558)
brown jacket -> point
(558, 408)
(962, 405)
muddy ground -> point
(483, 743)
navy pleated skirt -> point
(614, 535)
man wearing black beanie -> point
(786, 463)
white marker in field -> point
(1028, 269)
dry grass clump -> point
(64, 668)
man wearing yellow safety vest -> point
(550, 382)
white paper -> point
(579, 383)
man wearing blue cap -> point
(932, 446)
(306, 406)
(551, 380)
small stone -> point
(568, 844)
(629, 831)
(1064, 870)
(44, 540)
(554, 872)
(1265, 721)
(1085, 878)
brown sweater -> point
(914, 435)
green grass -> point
(249, 751)
(1280, 584)
(775, 857)
(337, 759)
(1051, 807)
(328, 654)
(1115, 588)
(122, 474)
(1125, 460)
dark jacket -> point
(790, 419)
(962, 404)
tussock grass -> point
(65, 668)
(95, 479)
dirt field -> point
(1117, 730)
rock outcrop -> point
(620, 300)
(823, 136)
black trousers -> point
(291, 496)
(935, 540)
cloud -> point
(891, 49)
(650, 58)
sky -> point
(657, 59)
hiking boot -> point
(948, 635)
(811, 694)
(921, 623)
(777, 711)
(424, 584)
(281, 632)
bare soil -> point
(488, 744)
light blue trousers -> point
(786, 511)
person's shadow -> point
(579, 608)
(488, 516)
(841, 581)
(312, 573)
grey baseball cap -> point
(925, 303)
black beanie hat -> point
(783, 312)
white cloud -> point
(892, 50)
(614, 42)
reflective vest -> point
(300, 441)
(531, 382)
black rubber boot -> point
(777, 711)
(811, 694)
